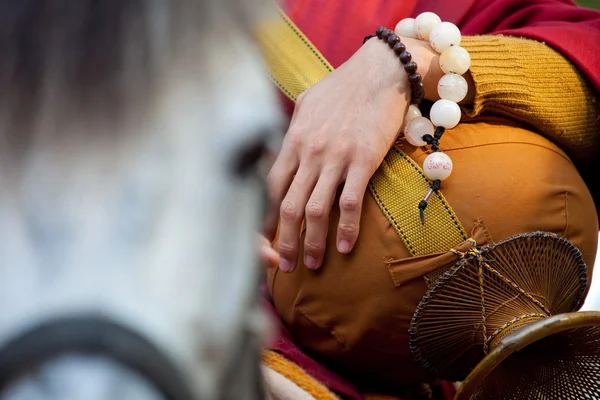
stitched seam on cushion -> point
(388, 265)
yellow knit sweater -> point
(530, 82)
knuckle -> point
(349, 202)
(316, 147)
(313, 248)
(286, 249)
(288, 211)
(342, 150)
(294, 138)
(315, 210)
(348, 228)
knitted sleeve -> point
(530, 82)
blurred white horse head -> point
(131, 139)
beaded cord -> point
(444, 38)
(434, 142)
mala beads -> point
(444, 38)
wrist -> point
(385, 64)
(428, 65)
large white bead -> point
(453, 87)
(412, 113)
(416, 129)
(455, 60)
(406, 28)
(444, 35)
(445, 113)
(437, 166)
(424, 23)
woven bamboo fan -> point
(557, 358)
(490, 293)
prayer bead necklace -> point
(444, 38)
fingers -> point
(268, 256)
(351, 201)
(262, 241)
(317, 216)
(291, 216)
(278, 181)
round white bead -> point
(445, 113)
(412, 113)
(455, 60)
(437, 166)
(424, 23)
(406, 28)
(416, 129)
(444, 35)
(453, 87)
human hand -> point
(341, 130)
(268, 256)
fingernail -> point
(310, 262)
(285, 265)
(344, 246)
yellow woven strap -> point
(399, 184)
(293, 62)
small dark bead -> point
(405, 57)
(416, 101)
(439, 131)
(417, 97)
(414, 78)
(418, 93)
(417, 87)
(410, 67)
(367, 38)
(392, 40)
(399, 48)
(428, 139)
(386, 34)
(380, 31)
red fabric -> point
(337, 27)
